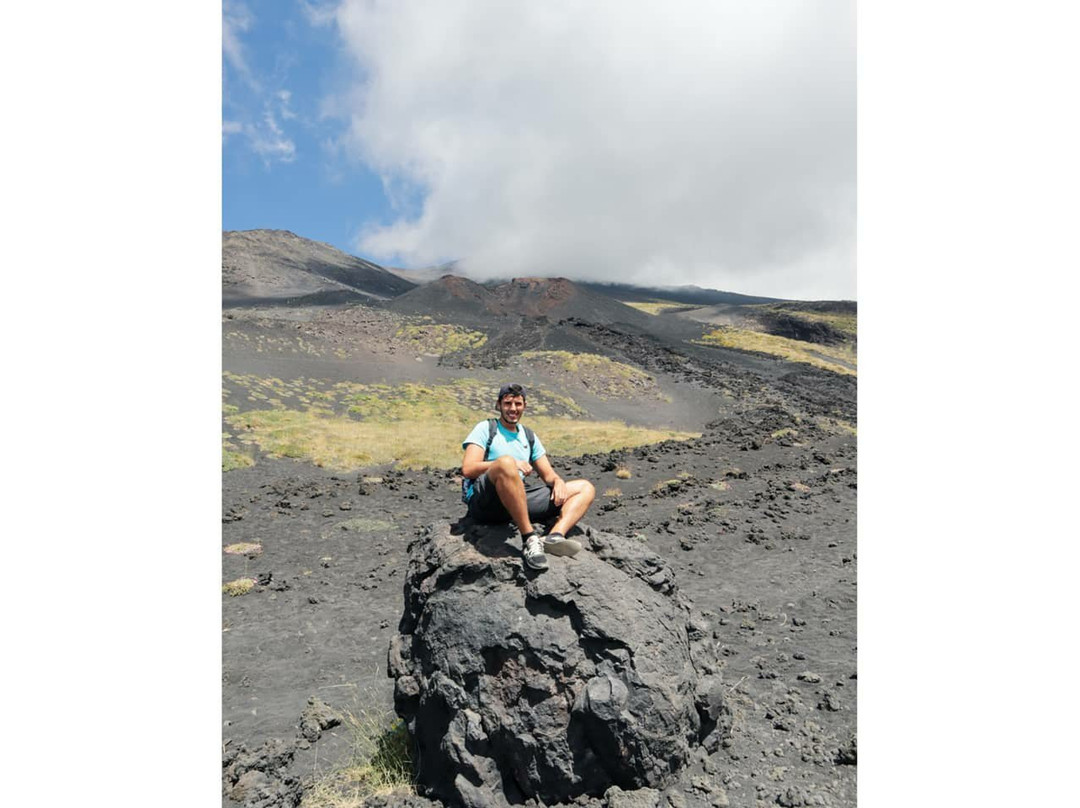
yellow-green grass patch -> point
(654, 307)
(821, 356)
(623, 473)
(241, 586)
(232, 458)
(374, 401)
(248, 548)
(613, 492)
(836, 426)
(439, 338)
(420, 436)
(785, 432)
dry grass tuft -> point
(234, 460)
(613, 492)
(623, 473)
(248, 548)
(380, 762)
(241, 586)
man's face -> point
(511, 407)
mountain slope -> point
(276, 266)
(553, 298)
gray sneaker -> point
(559, 545)
(534, 552)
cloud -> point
(231, 128)
(270, 142)
(256, 112)
(702, 142)
(235, 20)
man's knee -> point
(502, 467)
(583, 489)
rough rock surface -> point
(520, 685)
(259, 778)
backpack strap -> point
(531, 436)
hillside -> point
(553, 298)
(267, 267)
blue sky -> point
(280, 168)
(709, 142)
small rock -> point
(675, 799)
(830, 703)
(809, 676)
(317, 717)
(615, 797)
(703, 784)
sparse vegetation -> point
(623, 473)
(247, 548)
(380, 762)
(665, 486)
(439, 339)
(844, 322)
(614, 493)
(413, 425)
(231, 456)
(601, 376)
(234, 460)
(241, 586)
(654, 307)
(828, 357)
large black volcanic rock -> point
(517, 684)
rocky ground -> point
(756, 518)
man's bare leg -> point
(581, 495)
(511, 490)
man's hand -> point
(558, 492)
(524, 467)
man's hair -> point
(510, 390)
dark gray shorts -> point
(486, 507)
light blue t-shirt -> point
(504, 442)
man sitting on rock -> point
(499, 455)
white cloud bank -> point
(703, 142)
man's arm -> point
(551, 479)
(473, 465)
